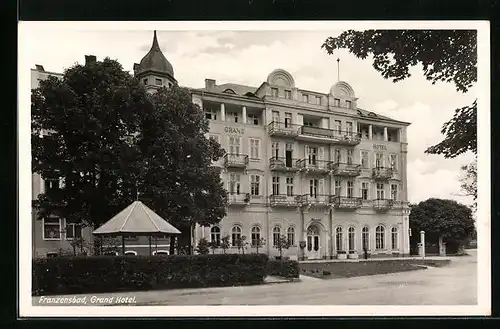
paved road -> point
(455, 284)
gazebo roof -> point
(136, 219)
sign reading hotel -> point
(231, 130)
(379, 147)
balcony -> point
(382, 173)
(281, 200)
(329, 136)
(343, 202)
(313, 200)
(283, 164)
(313, 166)
(383, 204)
(235, 160)
(238, 199)
(282, 129)
(345, 169)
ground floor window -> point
(379, 237)
(365, 236)
(255, 235)
(73, 231)
(52, 228)
(291, 236)
(276, 235)
(338, 238)
(235, 235)
(394, 238)
(215, 234)
(351, 236)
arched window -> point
(235, 235)
(255, 235)
(131, 253)
(338, 238)
(160, 253)
(379, 237)
(276, 235)
(215, 234)
(290, 235)
(394, 238)
(365, 237)
(351, 234)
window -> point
(215, 234)
(234, 184)
(276, 185)
(234, 145)
(338, 238)
(364, 191)
(275, 149)
(305, 98)
(349, 156)
(274, 92)
(394, 238)
(288, 120)
(336, 102)
(365, 238)
(52, 229)
(380, 191)
(289, 186)
(233, 116)
(235, 235)
(210, 115)
(394, 192)
(308, 124)
(318, 100)
(253, 119)
(338, 126)
(313, 151)
(290, 236)
(51, 184)
(337, 154)
(338, 187)
(131, 253)
(348, 104)
(158, 82)
(255, 235)
(379, 237)
(145, 81)
(393, 162)
(350, 188)
(313, 188)
(255, 184)
(254, 148)
(288, 94)
(351, 234)
(349, 128)
(276, 235)
(379, 160)
(73, 231)
(364, 159)
(276, 116)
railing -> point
(308, 199)
(235, 198)
(382, 173)
(347, 169)
(282, 200)
(344, 202)
(312, 165)
(282, 128)
(348, 137)
(235, 160)
(383, 204)
(283, 163)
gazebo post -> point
(123, 245)
(150, 245)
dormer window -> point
(253, 119)
(348, 104)
(145, 81)
(305, 98)
(274, 92)
(158, 82)
(288, 94)
(336, 102)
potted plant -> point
(353, 254)
(341, 254)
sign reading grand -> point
(379, 147)
(232, 130)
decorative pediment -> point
(281, 78)
(342, 89)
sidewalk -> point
(375, 259)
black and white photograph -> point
(254, 168)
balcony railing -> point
(238, 199)
(344, 202)
(283, 129)
(345, 169)
(314, 166)
(383, 204)
(313, 200)
(330, 135)
(283, 164)
(282, 200)
(382, 173)
(235, 160)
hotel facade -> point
(308, 166)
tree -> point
(214, 244)
(446, 219)
(242, 243)
(202, 247)
(469, 181)
(445, 55)
(282, 244)
(224, 243)
(258, 243)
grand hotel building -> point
(307, 165)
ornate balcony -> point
(313, 200)
(235, 160)
(283, 164)
(382, 173)
(345, 169)
(238, 199)
(313, 166)
(329, 136)
(383, 204)
(282, 200)
(343, 202)
(283, 129)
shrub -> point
(95, 274)
(325, 272)
(284, 268)
(202, 247)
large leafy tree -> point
(468, 181)
(445, 55)
(448, 219)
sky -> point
(247, 57)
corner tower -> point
(154, 70)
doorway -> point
(313, 243)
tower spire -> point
(338, 69)
(155, 40)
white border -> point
(483, 213)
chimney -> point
(136, 67)
(39, 68)
(90, 59)
(209, 84)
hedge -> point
(284, 268)
(95, 274)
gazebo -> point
(136, 220)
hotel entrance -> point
(313, 242)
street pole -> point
(422, 241)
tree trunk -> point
(172, 245)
